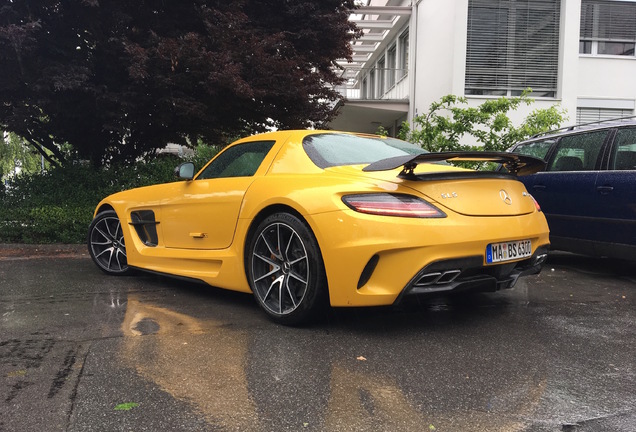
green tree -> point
(449, 120)
(16, 155)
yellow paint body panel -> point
(203, 225)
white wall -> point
(438, 37)
(567, 87)
(607, 78)
(440, 61)
(440, 51)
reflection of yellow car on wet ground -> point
(300, 218)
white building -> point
(577, 53)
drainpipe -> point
(413, 57)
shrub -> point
(450, 120)
(57, 206)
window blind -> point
(512, 45)
(588, 115)
(608, 20)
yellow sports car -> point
(304, 219)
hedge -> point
(57, 206)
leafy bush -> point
(450, 120)
(57, 206)
(44, 224)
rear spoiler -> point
(515, 163)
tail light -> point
(385, 204)
(536, 204)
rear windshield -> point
(328, 150)
(538, 149)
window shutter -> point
(512, 45)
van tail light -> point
(385, 204)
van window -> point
(578, 152)
(624, 157)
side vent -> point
(145, 226)
(368, 271)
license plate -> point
(507, 251)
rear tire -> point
(106, 244)
(285, 270)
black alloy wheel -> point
(106, 243)
(285, 270)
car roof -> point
(597, 125)
(283, 133)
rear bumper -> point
(469, 274)
(373, 261)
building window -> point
(381, 75)
(391, 65)
(608, 28)
(512, 45)
(363, 89)
(371, 94)
(404, 54)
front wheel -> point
(285, 270)
(106, 243)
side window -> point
(538, 149)
(625, 148)
(238, 161)
(578, 152)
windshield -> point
(328, 150)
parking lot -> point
(82, 351)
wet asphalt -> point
(82, 351)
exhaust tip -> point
(540, 259)
(437, 278)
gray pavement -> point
(82, 351)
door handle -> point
(199, 235)
(538, 187)
(604, 190)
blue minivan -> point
(588, 188)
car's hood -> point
(468, 192)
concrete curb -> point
(13, 250)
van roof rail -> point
(578, 126)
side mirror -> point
(185, 171)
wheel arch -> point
(104, 207)
(261, 216)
